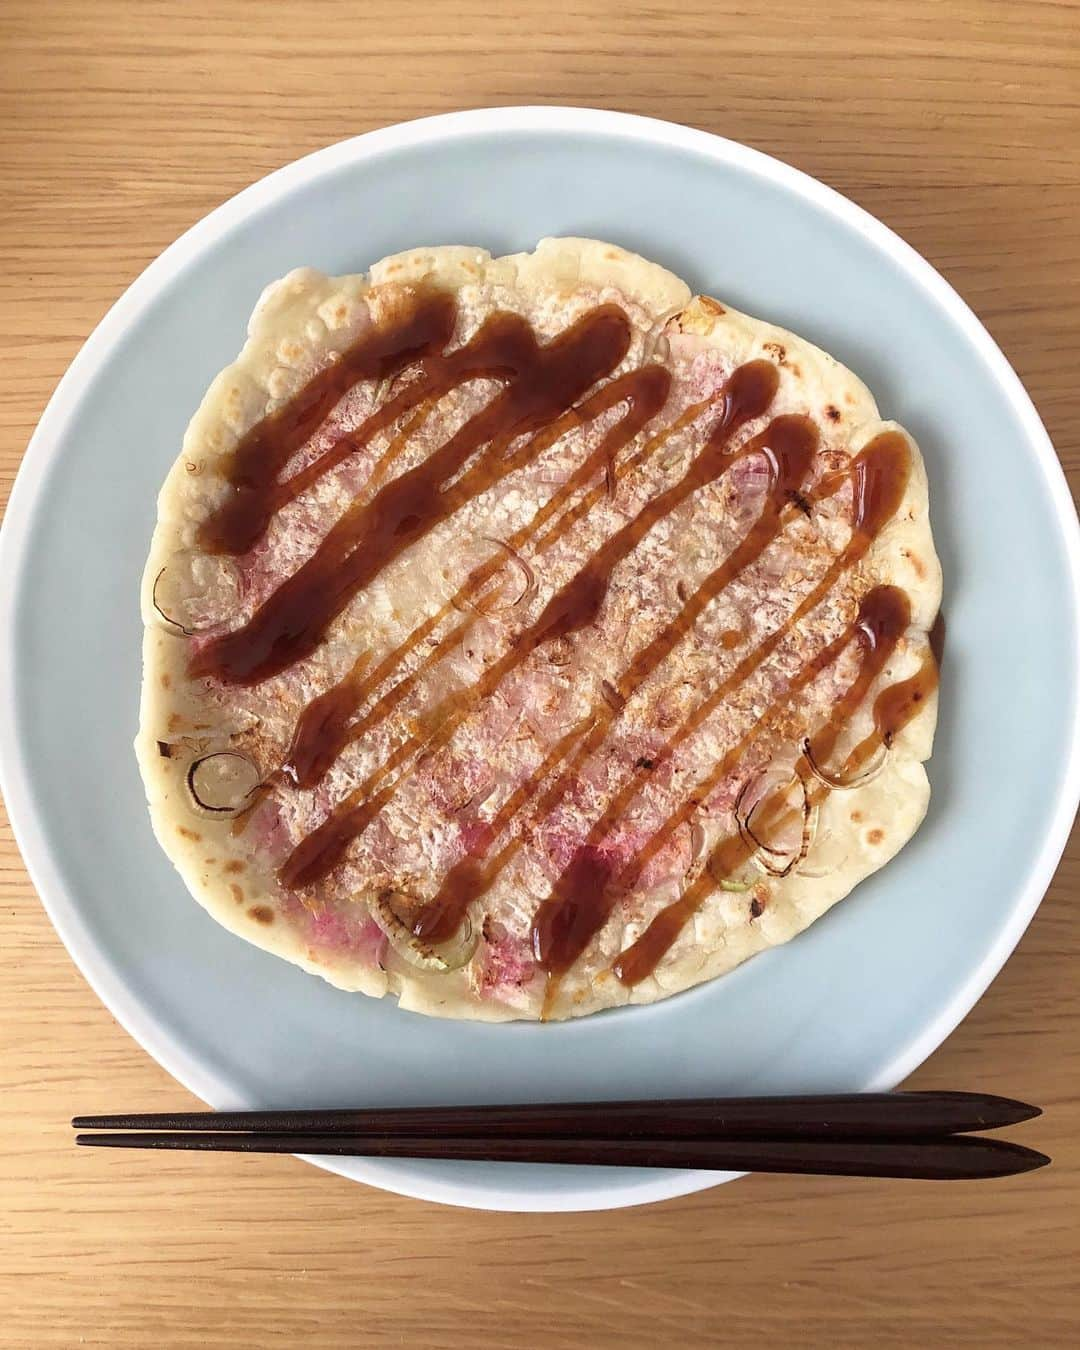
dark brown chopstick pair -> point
(886, 1134)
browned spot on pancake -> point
(757, 903)
(261, 914)
(711, 306)
(188, 834)
(849, 397)
(777, 350)
(237, 893)
(856, 816)
(875, 836)
(730, 638)
(175, 721)
(166, 680)
(235, 865)
(796, 369)
(833, 413)
(917, 564)
(191, 466)
(210, 862)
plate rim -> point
(28, 491)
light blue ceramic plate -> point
(857, 1001)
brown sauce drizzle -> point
(789, 444)
(426, 325)
(544, 393)
(472, 875)
(895, 707)
(747, 395)
(885, 458)
(883, 618)
(645, 392)
(556, 956)
(321, 726)
(880, 475)
(539, 384)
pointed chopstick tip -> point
(1019, 1111)
(1033, 1161)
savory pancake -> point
(525, 636)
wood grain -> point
(120, 125)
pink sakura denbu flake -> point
(354, 473)
(381, 844)
(255, 573)
(475, 837)
(750, 474)
(507, 960)
(330, 929)
(289, 541)
(559, 838)
(323, 798)
(337, 931)
(721, 801)
(371, 944)
(456, 780)
(705, 372)
(198, 641)
(564, 851)
(267, 834)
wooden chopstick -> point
(949, 1158)
(894, 1115)
(897, 1134)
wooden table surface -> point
(958, 123)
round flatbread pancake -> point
(526, 637)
